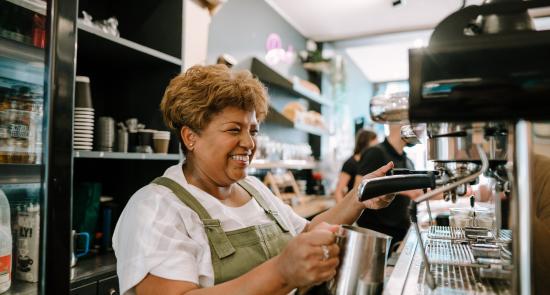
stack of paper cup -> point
(160, 141)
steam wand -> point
(425, 197)
(428, 208)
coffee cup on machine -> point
(161, 139)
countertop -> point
(93, 268)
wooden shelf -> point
(124, 156)
(286, 164)
(95, 44)
(20, 173)
(268, 74)
(36, 6)
(274, 116)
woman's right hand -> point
(303, 263)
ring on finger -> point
(326, 252)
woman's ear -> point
(189, 137)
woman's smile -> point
(242, 160)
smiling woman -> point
(205, 227)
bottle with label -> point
(28, 232)
(5, 243)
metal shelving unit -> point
(125, 156)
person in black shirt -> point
(393, 220)
(363, 140)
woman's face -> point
(225, 147)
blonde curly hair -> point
(194, 97)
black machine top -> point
(466, 74)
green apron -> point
(236, 252)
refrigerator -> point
(37, 69)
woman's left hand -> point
(382, 201)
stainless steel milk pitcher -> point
(363, 255)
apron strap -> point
(217, 237)
(273, 214)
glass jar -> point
(21, 114)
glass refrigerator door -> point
(30, 149)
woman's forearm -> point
(345, 212)
(264, 279)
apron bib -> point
(236, 252)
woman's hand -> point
(379, 202)
(310, 258)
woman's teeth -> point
(240, 158)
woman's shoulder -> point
(154, 199)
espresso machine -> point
(474, 91)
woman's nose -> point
(247, 141)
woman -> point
(207, 228)
(363, 140)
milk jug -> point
(5, 244)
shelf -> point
(22, 288)
(268, 74)
(95, 44)
(124, 156)
(90, 268)
(36, 6)
(20, 173)
(310, 129)
(21, 51)
(276, 117)
(286, 164)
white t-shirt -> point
(158, 234)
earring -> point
(190, 146)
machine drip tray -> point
(452, 279)
(458, 233)
(453, 264)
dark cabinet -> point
(108, 286)
(89, 289)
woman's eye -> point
(254, 132)
(234, 130)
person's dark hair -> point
(362, 140)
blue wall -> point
(352, 98)
(241, 28)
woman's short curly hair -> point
(194, 97)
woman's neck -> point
(195, 176)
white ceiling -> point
(371, 31)
(330, 20)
